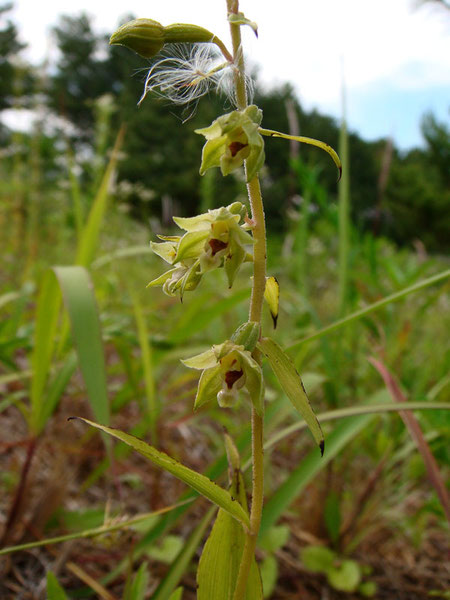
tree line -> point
(92, 89)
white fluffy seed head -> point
(183, 74)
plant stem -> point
(257, 297)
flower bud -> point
(187, 34)
(144, 36)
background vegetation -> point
(68, 198)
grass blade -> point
(91, 231)
(195, 480)
(54, 590)
(372, 307)
(181, 562)
(94, 532)
(76, 287)
(47, 313)
(311, 465)
(147, 367)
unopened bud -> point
(144, 36)
(185, 33)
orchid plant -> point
(225, 237)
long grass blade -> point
(77, 290)
(95, 531)
(371, 308)
(91, 230)
(181, 562)
(415, 432)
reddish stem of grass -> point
(17, 502)
(415, 432)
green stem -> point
(256, 302)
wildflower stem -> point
(257, 297)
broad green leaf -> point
(275, 538)
(269, 574)
(177, 595)
(77, 290)
(345, 576)
(272, 297)
(195, 480)
(166, 552)
(221, 557)
(54, 590)
(318, 559)
(290, 381)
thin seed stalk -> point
(256, 302)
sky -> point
(394, 57)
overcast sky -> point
(396, 58)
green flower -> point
(212, 240)
(226, 369)
(232, 139)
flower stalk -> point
(256, 302)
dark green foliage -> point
(159, 167)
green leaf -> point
(332, 516)
(290, 381)
(221, 557)
(318, 559)
(179, 566)
(275, 538)
(306, 140)
(269, 575)
(167, 551)
(91, 232)
(177, 595)
(139, 585)
(368, 589)
(47, 312)
(241, 19)
(371, 308)
(77, 290)
(54, 590)
(309, 467)
(345, 577)
(195, 480)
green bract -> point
(212, 240)
(227, 368)
(232, 139)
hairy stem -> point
(257, 297)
